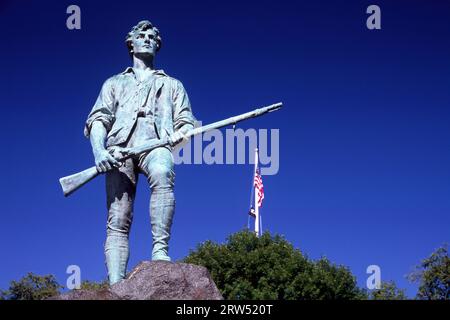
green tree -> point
(91, 285)
(433, 276)
(269, 267)
(388, 291)
(31, 287)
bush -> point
(269, 267)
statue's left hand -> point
(176, 137)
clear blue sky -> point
(364, 135)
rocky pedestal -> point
(155, 280)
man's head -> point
(143, 39)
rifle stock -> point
(75, 181)
(72, 183)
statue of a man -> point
(138, 104)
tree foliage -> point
(269, 267)
(31, 287)
(433, 276)
(91, 285)
(388, 291)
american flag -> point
(259, 188)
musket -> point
(75, 181)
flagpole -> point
(256, 196)
(252, 197)
(260, 224)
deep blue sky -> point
(364, 135)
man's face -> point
(144, 43)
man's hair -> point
(142, 26)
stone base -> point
(155, 280)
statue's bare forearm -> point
(98, 137)
(103, 160)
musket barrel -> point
(236, 119)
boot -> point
(162, 208)
(116, 254)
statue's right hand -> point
(104, 161)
